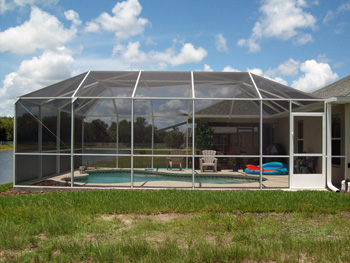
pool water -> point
(111, 177)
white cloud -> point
(328, 17)
(220, 43)
(33, 74)
(132, 54)
(125, 21)
(282, 20)
(188, 54)
(344, 7)
(259, 72)
(73, 16)
(316, 75)
(323, 58)
(287, 68)
(41, 31)
(256, 71)
(150, 41)
(230, 69)
(9, 5)
(207, 68)
(250, 43)
(302, 39)
(172, 107)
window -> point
(336, 138)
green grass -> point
(6, 147)
(175, 226)
(5, 187)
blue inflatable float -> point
(273, 168)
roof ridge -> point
(334, 83)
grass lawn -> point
(6, 147)
(175, 226)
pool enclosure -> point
(140, 128)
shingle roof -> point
(340, 88)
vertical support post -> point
(116, 130)
(40, 143)
(324, 142)
(187, 142)
(261, 144)
(152, 162)
(193, 133)
(132, 129)
(82, 134)
(329, 139)
(14, 141)
(347, 141)
(193, 144)
(58, 142)
(291, 146)
(72, 145)
(132, 143)
(117, 142)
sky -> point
(300, 43)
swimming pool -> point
(123, 176)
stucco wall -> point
(282, 133)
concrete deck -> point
(270, 181)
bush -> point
(204, 137)
(174, 139)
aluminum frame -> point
(193, 99)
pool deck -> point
(271, 181)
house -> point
(337, 98)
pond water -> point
(6, 167)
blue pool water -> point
(109, 177)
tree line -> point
(97, 131)
(6, 128)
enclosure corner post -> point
(14, 140)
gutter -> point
(338, 99)
(330, 185)
(329, 148)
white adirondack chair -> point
(208, 160)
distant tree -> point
(50, 129)
(3, 134)
(6, 127)
(96, 131)
(27, 129)
(142, 131)
(204, 136)
(174, 139)
(124, 131)
(112, 130)
(159, 136)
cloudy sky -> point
(301, 43)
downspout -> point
(329, 148)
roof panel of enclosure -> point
(164, 84)
(224, 85)
(65, 88)
(273, 90)
(108, 84)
